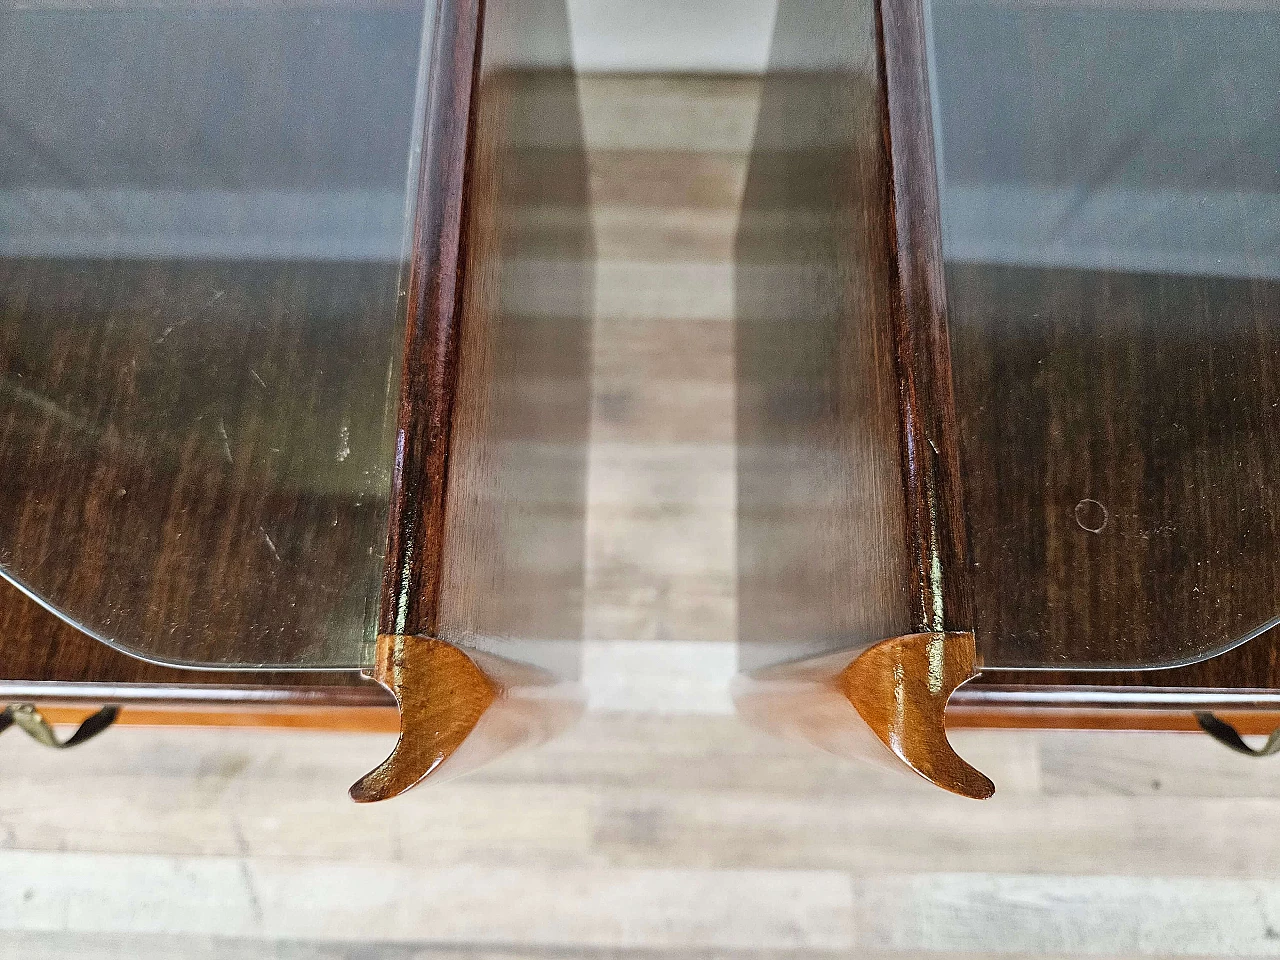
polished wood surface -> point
(898, 690)
(660, 532)
(1112, 288)
(823, 556)
(931, 476)
(487, 499)
(486, 545)
(213, 547)
(488, 503)
(850, 525)
(458, 711)
(47, 659)
(1150, 399)
(200, 255)
(661, 524)
(1116, 427)
(428, 371)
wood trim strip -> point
(385, 720)
(194, 696)
(1249, 723)
(435, 282)
(941, 589)
(1025, 697)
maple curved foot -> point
(458, 710)
(893, 695)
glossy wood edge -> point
(434, 285)
(897, 689)
(891, 697)
(415, 668)
(372, 709)
(458, 710)
(377, 720)
(940, 585)
(1115, 720)
(968, 700)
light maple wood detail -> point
(458, 710)
(891, 695)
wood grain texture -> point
(849, 469)
(485, 562)
(1151, 399)
(667, 194)
(852, 555)
(890, 697)
(198, 316)
(931, 476)
(46, 658)
(1072, 383)
(486, 542)
(459, 711)
(201, 530)
(668, 157)
(823, 558)
(428, 372)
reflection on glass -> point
(1111, 222)
(203, 216)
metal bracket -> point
(1228, 736)
(29, 720)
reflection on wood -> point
(42, 657)
(183, 474)
(893, 695)
(458, 711)
(487, 542)
(852, 560)
(202, 215)
(1120, 445)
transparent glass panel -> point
(1111, 218)
(203, 219)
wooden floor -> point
(660, 827)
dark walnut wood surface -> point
(203, 220)
(192, 452)
(1154, 396)
(201, 462)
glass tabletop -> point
(1111, 225)
(204, 216)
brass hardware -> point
(26, 717)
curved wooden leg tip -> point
(900, 688)
(442, 695)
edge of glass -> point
(426, 58)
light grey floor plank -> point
(1078, 916)
(1146, 764)
(371, 902)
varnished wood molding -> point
(891, 695)
(458, 710)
